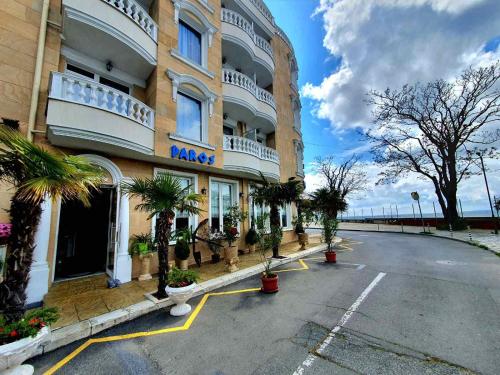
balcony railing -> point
(259, 4)
(248, 146)
(138, 14)
(233, 77)
(90, 93)
(238, 20)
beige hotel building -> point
(203, 89)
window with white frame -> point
(189, 117)
(223, 195)
(296, 107)
(189, 42)
(286, 216)
(182, 220)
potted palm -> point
(162, 196)
(327, 202)
(35, 174)
(276, 195)
(142, 246)
(266, 241)
(180, 287)
(19, 340)
(181, 251)
(232, 218)
(305, 216)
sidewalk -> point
(479, 236)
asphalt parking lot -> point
(393, 304)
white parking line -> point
(311, 357)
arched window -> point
(296, 108)
(299, 153)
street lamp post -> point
(416, 197)
(488, 191)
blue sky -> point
(352, 46)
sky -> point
(346, 48)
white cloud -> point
(387, 43)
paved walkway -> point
(479, 236)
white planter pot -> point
(180, 296)
(14, 354)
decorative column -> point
(38, 284)
(123, 270)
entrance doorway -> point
(87, 235)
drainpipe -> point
(35, 93)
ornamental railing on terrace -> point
(137, 14)
(249, 146)
(238, 20)
(259, 4)
(90, 93)
(233, 77)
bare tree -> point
(436, 130)
(346, 178)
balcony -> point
(248, 158)
(243, 47)
(120, 31)
(245, 101)
(87, 115)
(262, 16)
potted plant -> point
(329, 231)
(19, 340)
(142, 246)
(251, 238)
(267, 241)
(305, 216)
(215, 240)
(181, 251)
(230, 231)
(180, 287)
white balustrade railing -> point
(259, 4)
(90, 93)
(238, 20)
(138, 14)
(249, 146)
(233, 77)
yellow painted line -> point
(184, 327)
(304, 267)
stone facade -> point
(19, 30)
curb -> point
(68, 334)
(496, 252)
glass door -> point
(222, 196)
(112, 231)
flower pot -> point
(181, 264)
(231, 258)
(331, 256)
(180, 296)
(251, 248)
(145, 266)
(269, 284)
(303, 240)
(14, 354)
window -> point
(114, 85)
(227, 130)
(75, 69)
(189, 117)
(189, 42)
(222, 196)
(285, 216)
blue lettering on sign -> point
(190, 155)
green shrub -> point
(141, 244)
(182, 249)
(178, 278)
(252, 237)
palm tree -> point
(328, 202)
(162, 196)
(276, 195)
(36, 175)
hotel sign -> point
(190, 155)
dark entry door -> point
(83, 236)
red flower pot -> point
(269, 284)
(331, 256)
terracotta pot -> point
(180, 296)
(181, 264)
(269, 284)
(14, 354)
(331, 256)
(303, 240)
(231, 258)
(145, 266)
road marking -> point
(345, 318)
(304, 267)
